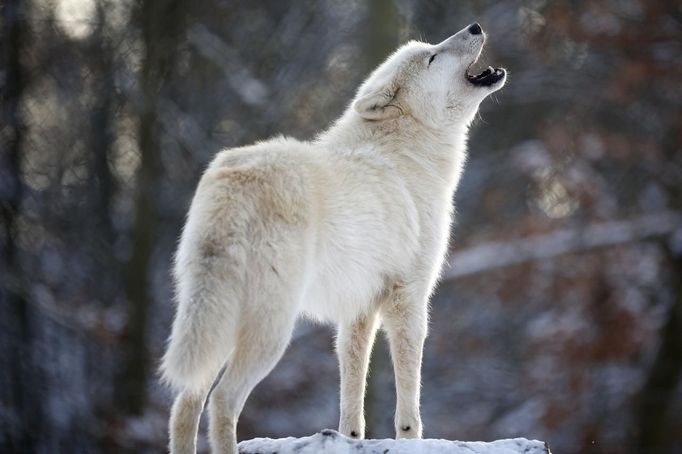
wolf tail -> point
(203, 333)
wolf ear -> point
(378, 104)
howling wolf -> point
(350, 228)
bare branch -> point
(499, 254)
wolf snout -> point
(468, 39)
(475, 29)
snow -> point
(332, 442)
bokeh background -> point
(560, 313)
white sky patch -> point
(76, 17)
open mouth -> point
(487, 78)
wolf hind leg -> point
(256, 355)
(184, 422)
(264, 333)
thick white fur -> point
(350, 228)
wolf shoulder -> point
(327, 178)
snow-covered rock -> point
(332, 442)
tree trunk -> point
(22, 421)
(161, 22)
(382, 33)
(656, 396)
(103, 237)
(102, 137)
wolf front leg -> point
(405, 321)
(354, 346)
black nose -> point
(475, 29)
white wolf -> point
(351, 228)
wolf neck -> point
(437, 154)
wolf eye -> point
(433, 57)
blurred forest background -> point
(559, 316)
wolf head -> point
(430, 82)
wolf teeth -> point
(487, 77)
